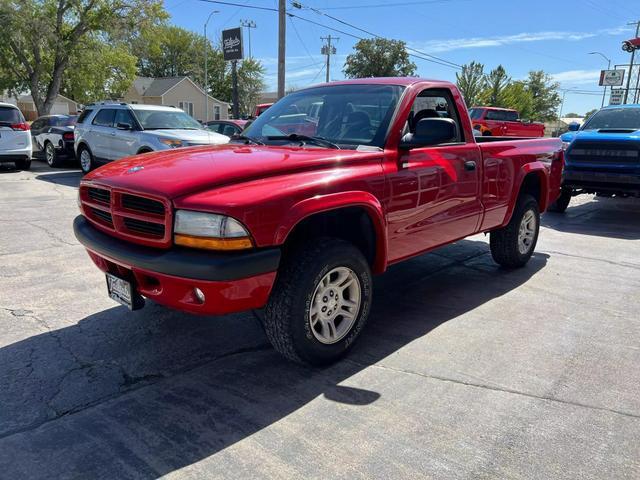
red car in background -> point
(503, 122)
(260, 108)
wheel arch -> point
(534, 180)
(353, 216)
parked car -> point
(52, 137)
(297, 224)
(15, 139)
(503, 122)
(602, 156)
(109, 131)
(228, 128)
(261, 108)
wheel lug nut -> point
(325, 299)
(330, 312)
(324, 309)
(331, 293)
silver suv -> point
(109, 131)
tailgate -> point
(11, 139)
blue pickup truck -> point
(602, 156)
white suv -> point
(15, 137)
(109, 131)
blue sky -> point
(521, 35)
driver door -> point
(434, 191)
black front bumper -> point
(601, 181)
(179, 262)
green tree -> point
(39, 37)
(99, 71)
(496, 81)
(516, 95)
(546, 98)
(590, 112)
(573, 115)
(471, 82)
(379, 57)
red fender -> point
(540, 169)
(334, 201)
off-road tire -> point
(504, 241)
(286, 316)
(562, 202)
(23, 164)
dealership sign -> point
(232, 44)
(611, 78)
(616, 97)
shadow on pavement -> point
(140, 394)
(66, 178)
(602, 217)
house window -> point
(187, 107)
(216, 112)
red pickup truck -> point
(503, 122)
(294, 225)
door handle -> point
(113, 134)
(470, 165)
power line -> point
(233, 4)
(300, 38)
(383, 5)
(351, 25)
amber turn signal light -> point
(241, 243)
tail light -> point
(68, 136)
(20, 126)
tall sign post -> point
(232, 52)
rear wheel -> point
(50, 155)
(513, 245)
(320, 302)
(561, 204)
(86, 159)
(24, 164)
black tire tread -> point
(504, 241)
(562, 202)
(296, 265)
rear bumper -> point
(231, 282)
(602, 181)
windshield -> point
(626, 118)
(475, 113)
(163, 120)
(346, 115)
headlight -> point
(172, 142)
(565, 145)
(210, 231)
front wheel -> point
(320, 302)
(513, 245)
(562, 202)
(86, 160)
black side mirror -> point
(124, 126)
(430, 131)
(574, 127)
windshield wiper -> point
(304, 139)
(247, 140)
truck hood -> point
(604, 135)
(184, 171)
(194, 137)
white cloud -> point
(577, 77)
(435, 46)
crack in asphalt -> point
(595, 259)
(497, 389)
(50, 234)
(129, 385)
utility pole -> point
(604, 93)
(328, 50)
(633, 55)
(206, 77)
(282, 37)
(249, 24)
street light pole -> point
(206, 72)
(604, 93)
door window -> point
(104, 118)
(124, 117)
(434, 103)
(85, 113)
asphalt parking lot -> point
(465, 370)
